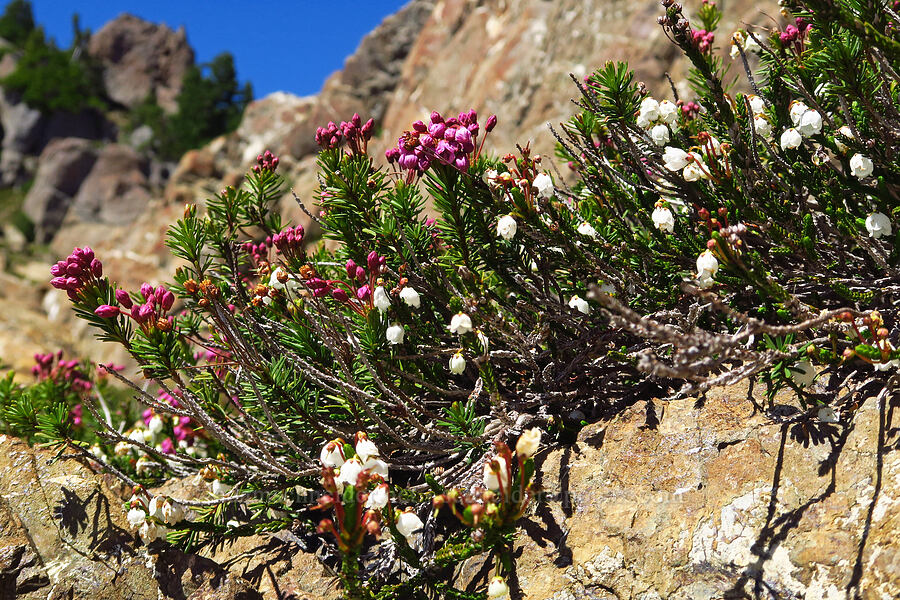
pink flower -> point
(167, 447)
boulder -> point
(141, 58)
(63, 534)
(116, 191)
(63, 166)
(716, 502)
(22, 135)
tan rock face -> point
(717, 503)
(116, 190)
(515, 59)
(64, 165)
(140, 58)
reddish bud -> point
(168, 300)
(373, 262)
(105, 311)
(96, 268)
(124, 299)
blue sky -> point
(277, 45)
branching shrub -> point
(733, 236)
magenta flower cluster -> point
(690, 109)
(150, 313)
(52, 366)
(77, 271)
(290, 240)
(450, 142)
(266, 162)
(260, 251)
(795, 34)
(355, 133)
(357, 291)
(703, 39)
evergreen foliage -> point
(211, 102)
(17, 22)
(50, 79)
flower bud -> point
(105, 311)
(528, 443)
(367, 129)
(124, 299)
(372, 261)
(491, 123)
(168, 299)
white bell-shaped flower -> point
(791, 139)
(650, 108)
(587, 229)
(493, 480)
(675, 159)
(660, 135)
(457, 363)
(136, 517)
(528, 443)
(663, 219)
(797, 109)
(497, 589)
(707, 264)
(395, 333)
(332, 454)
(380, 299)
(810, 123)
(408, 523)
(544, 185)
(365, 447)
(668, 112)
(763, 127)
(460, 324)
(861, 166)
(579, 304)
(507, 227)
(878, 224)
(410, 297)
(378, 498)
(757, 104)
(803, 373)
(349, 473)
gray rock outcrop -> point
(63, 166)
(141, 58)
